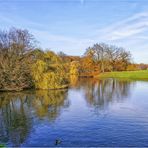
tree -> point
(48, 72)
(118, 58)
(109, 57)
(74, 68)
(61, 54)
(99, 53)
(88, 67)
(132, 67)
(15, 57)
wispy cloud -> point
(126, 28)
(17, 21)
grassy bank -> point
(142, 75)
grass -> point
(141, 75)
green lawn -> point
(141, 74)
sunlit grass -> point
(141, 74)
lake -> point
(107, 112)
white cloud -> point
(126, 28)
(13, 20)
(130, 33)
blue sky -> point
(73, 25)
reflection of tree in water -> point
(16, 112)
(14, 116)
(100, 93)
(74, 79)
(49, 103)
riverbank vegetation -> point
(23, 65)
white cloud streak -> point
(126, 28)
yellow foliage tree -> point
(74, 72)
(49, 73)
(74, 68)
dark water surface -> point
(92, 113)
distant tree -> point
(99, 54)
(88, 67)
(109, 58)
(125, 58)
(118, 58)
(61, 54)
(132, 67)
(143, 66)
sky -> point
(72, 26)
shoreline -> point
(19, 90)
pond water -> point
(107, 112)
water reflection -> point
(74, 79)
(20, 111)
(15, 118)
(16, 110)
(49, 103)
(99, 93)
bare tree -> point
(109, 57)
(99, 54)
(15, 47)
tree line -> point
(23, 65)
